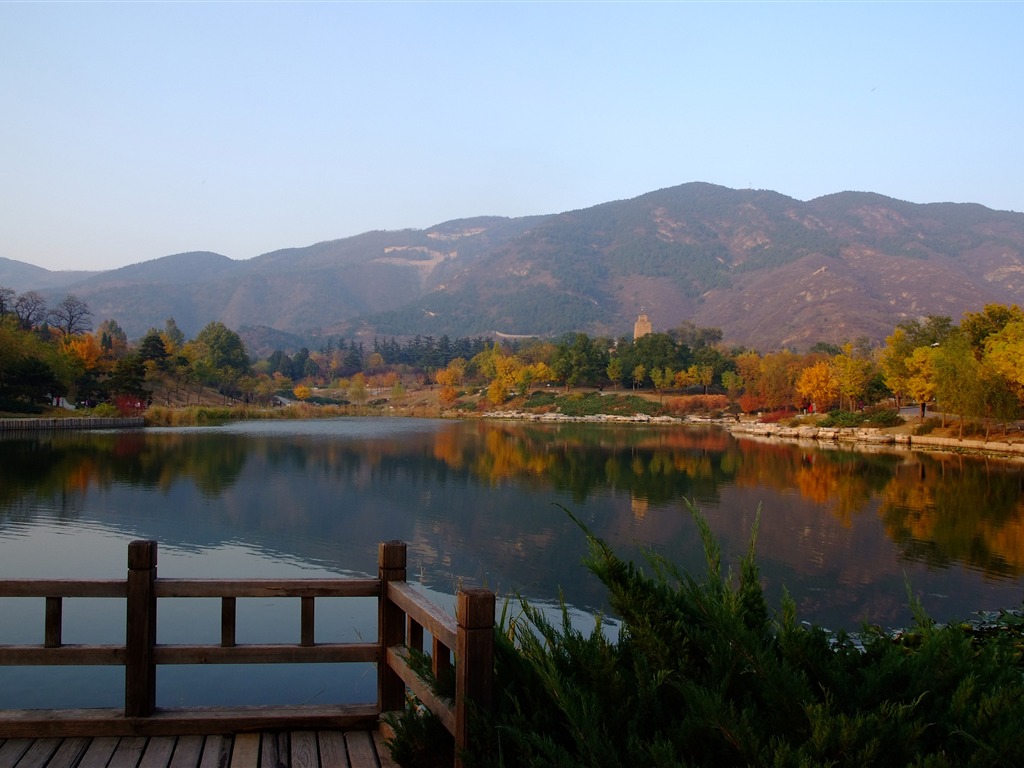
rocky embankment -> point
(876, 437)
(599, 418)
(1013, 445)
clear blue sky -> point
(130, 131)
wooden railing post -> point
(474, 660)
(140, 632)
(390, 626)
(54, 622)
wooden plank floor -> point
(271, 749)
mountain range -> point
(770, 271)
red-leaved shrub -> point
(697, 403)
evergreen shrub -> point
(842, 419)
(703, 674)
(594, 404)
(540, 398)
(884, 418)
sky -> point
(132, 131)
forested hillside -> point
(769, 270)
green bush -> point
(594, 404)
(842, 419)
(884, 418)
(105, 411)
(540, 398)
(702, 674)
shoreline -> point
(824, 436)
(44, 424)
(877, 437)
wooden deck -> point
(141, 735)
(270, 749)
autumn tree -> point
(999, 401)
(893, 362)
(978, 326)
(818, 384)
(662, 378)
(1004, 351)
(852, 373)
(614, 371)
(484, 361)
(776, 383)
(506, 374)
(958, 386)
(357, 392)
(686, 377)
(733, 384)
(639, 374)
(85, 350)
(704, 375)
(450, 377)
(921, 376)
(533, 372)
(748, 366)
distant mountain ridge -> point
(767, 269)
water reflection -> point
(479, 500)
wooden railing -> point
(465, 642)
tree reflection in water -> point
(840, 528)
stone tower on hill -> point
(641, 327)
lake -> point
(481, 503)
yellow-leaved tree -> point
(893, 362)
(921, 376)
(1004, 351)
(853, 373)
(819, 385)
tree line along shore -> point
(973, 371)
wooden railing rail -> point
(404, 615)
(467, 642)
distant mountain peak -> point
(767, 269)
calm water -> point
(843, 532)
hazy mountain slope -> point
(14, 274)
(767, 269)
